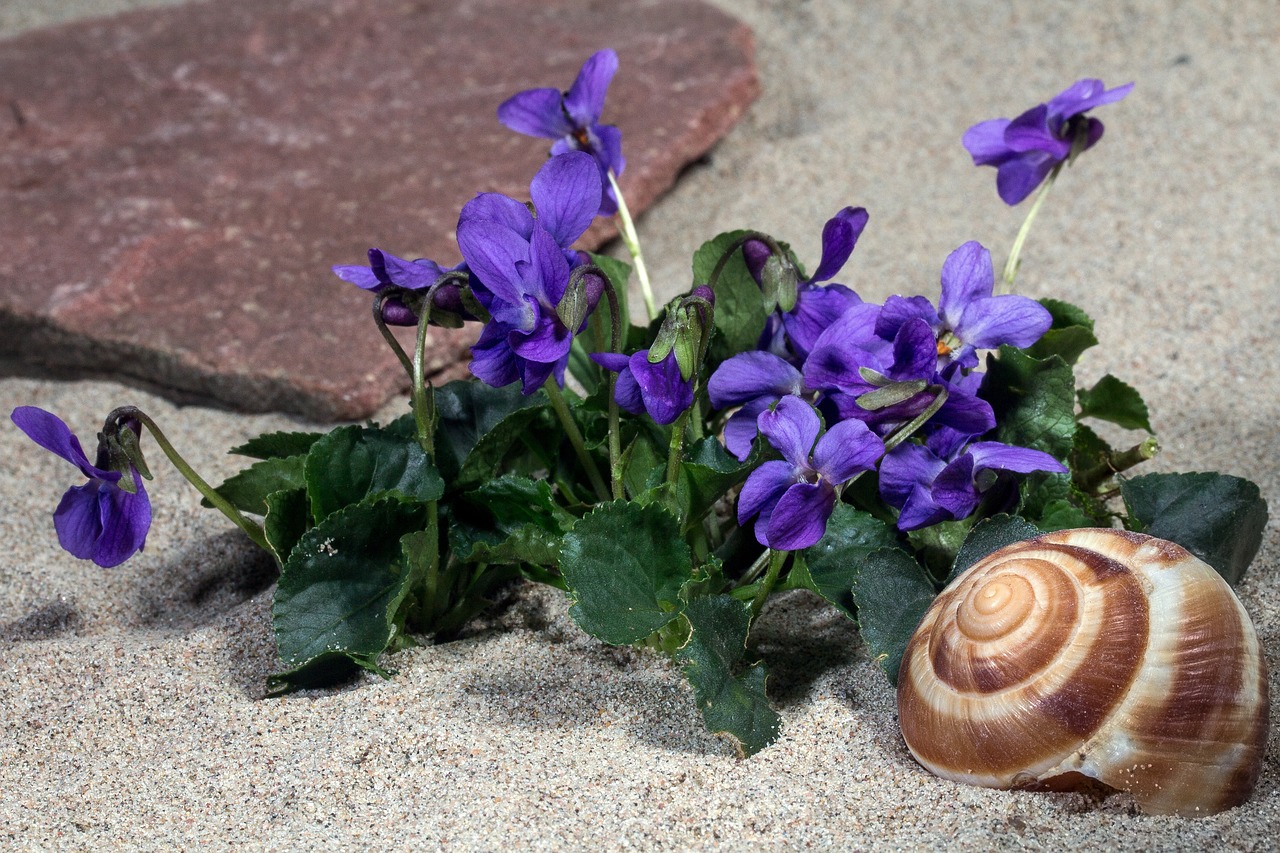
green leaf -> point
(477, 426)
(1064, 515)
(731, 704)
(624, 565)
(273, 445)
(288, 516)
(1088, 449)
(1217, 517)
(1112, 400)
(740, 310)
(642, 466)
(353, 462)
(989, 536)
(892, 591)
(706, 476)
(830, 566)
(1033, 399)
(510, 520)
(1070, 334)
(248, 490)
(338, 595)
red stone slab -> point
(175, 183)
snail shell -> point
(1090, 653)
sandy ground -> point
(131, 699)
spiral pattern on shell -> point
(1090, 653)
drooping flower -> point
(644, 387)
(386, 271)
(99, 520)
(930, 483)
(1027, 148)
(520, 267)
(572, 119)
(968, 317)
(792, 498)
(817, 305)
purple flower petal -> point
(965, 413)
(585, 99)
(1004, 457)
(1032, 131)
(763, 488)
(816, 309)
(566, 194)
(915, 352)
(1009, 319)
(547, 342)
(967, 275)
(1018, 177)
(846, 449)
(791, 427)
(501, 209)
(361, 276)
(665, 392)
(548, 272)
(800, 517)
(751, 374)
(535, 112)
(920, 510)
(985, 142)
(610, 153)
(900, 309)
(125, 520)
(1085, 95)
(48, 430)
(492, 361)
(741, 429)
(839, 236)
(905, 468)
(954, 489)
(492, 252)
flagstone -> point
(175, 183)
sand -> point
(132, 699)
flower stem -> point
(1089, 480)
(677, 445)
(632, 240)
(252, 529)
(908, 429)
(776, 559)
(611, 380)
(378, 299)
(1011, 265)
(575, 438)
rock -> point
(175, 183)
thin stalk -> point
(1011, 265)
(776, 559)
(611, 380)
(252, 529)
(575, 438)
(907, 430)
(677, 445)
(632, 240)
(403, 356)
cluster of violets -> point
(836, 387)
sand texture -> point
(131, 701)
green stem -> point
(378, 299)
(677, 445)
(575, 438)
(615, 428)
(907, 430)
(254, 530)
(632, 240)
(1011, 265)
(1090, 479)
(776, 559)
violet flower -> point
(572, 119)
(96, 521)
(928, 484)
(793, 497)
(817, 305)
(1026, 149)
(643, 387)
(968, 317)
(386, 272)
(520, 268)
